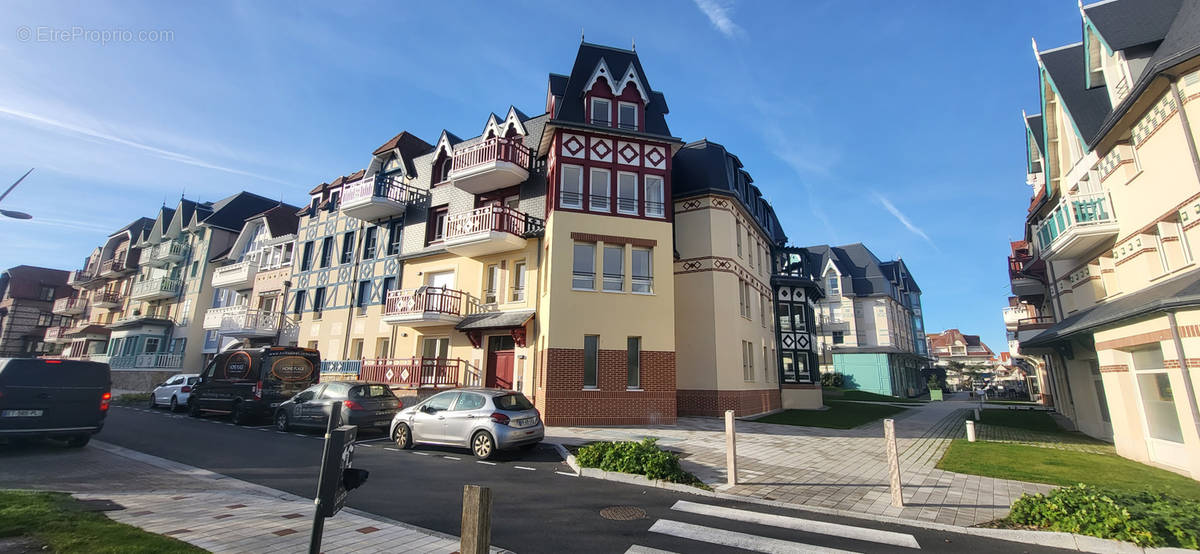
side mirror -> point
(428, 409)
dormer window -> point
(392, 164)
(627, 115)
(602, 112)
(441, 168)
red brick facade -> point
(563, 400)
(715, 402)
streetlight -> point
(13, 213)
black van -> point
(250, 383)
(53, 398)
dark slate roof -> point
(137, 228)
(703, 167)
(409, 145)
(1176, 292)
(494, 320)
(230, 213)
(1034, 123)
(25, 281)
(139, 321)
(281, 219)
(185, 210)
(859, 264)
(558, 84)
(1088, 107)
(520, 114)
(571, 107)
(1126, 23)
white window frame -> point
(621, 210)
(623, 125)
(562, 187)
(592, 203)
(606, 280)
(660, 210)
(592, 110)
(520, 281)
(638, 286)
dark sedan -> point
(365, 404)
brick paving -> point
(835, 468)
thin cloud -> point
(718, 14)
(98, 135)
(887, 204)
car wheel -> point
(174, 404)
(78, 441)
(153, 401)
(482, 445)
(281, 421)
(239, 415)
(193, 408)
(402, 436)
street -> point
(538, 503)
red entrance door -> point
(500, 362)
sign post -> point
(337, 476)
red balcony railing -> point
(53, 334)
(426, 299)
(490, 218)
(412, 372)
(1039, 322)
(115, 264)
(491, 150)
(107, 297)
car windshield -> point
(371, 391)
(513, 402)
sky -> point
(894, 124)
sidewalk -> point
(834, 468)
(209, 510)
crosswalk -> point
(715, 535)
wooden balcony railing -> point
(490, 218)
(426, 299)
(489, 151)
(388, 187)
(413, 372)
(1038, 322)
(114, 264)
(69, 305)
(107, 297)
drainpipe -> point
(1187, 126)
(1057, 297)
(537, 308)
(358, 244)
(399, 286)
(1188, 389)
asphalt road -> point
(538, 504)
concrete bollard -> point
(730, 449)
(893, 456)
(977, 414)
(476, 520)
(970, 431)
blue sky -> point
(895, 124)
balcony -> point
(168, 253)
(488, 230)
(1028, 327)
(1014, 314)
(1079, 224)
(156, 289)
(833, 324)
(243, 322)
(374, 198)
(69, 306)
(426, 306)
(107, 299)
(146, 361)
(490, 165)
(57, 335)
(1021, 278)
(237, 276)
(85, 278)
(420, 372)
(115, 267)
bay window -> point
(655, 205)
(571, 187)
(598, 190)
(627, 195)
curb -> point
(246, 486)
(1053, 539)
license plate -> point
(526, 422)
(21, 413)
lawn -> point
(57, 521)
(1033, 420)
(1013, 402)
(840, 415)
(1062, 467)
(865, 396)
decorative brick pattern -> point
(613, 239)
(1154, 119)
(1116, 368)
(715, 402)
(1136, 340)
(1173, 363)
(564, 401)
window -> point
(800, 315)
(383, 348)
(739, 240)
(364, 297)
(435, 226)
(394, 234)
(839, 337)
(785, 318)
(614, 268)
(643, 276)
(591, 354)
(747, 361)
(598, 190)
(298, 308)
(1162, 253)
(335, 200)
(627, 115)
(46, 293)
(306, 256)
(347, 247)
(633, 363)
(44, 319)
(389, 284)
(601, 111)
(356, 349)
(195, 268)
(1158, 398)
(318, 302)
(787, 362)
(151, 345)
(571, 187)
(833, 286)
(287, 254)
(753, 247)
(469, 401)
(766, 370)
(655, 206)
(518, 280)
(326, 251)
(370, 238)
(763, 308)
(583, 275)
(627, 193)
(492, 284)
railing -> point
(157, 286)
(380, 186)
(164, 361)
(489, 151)
(80, 276)
(1016, 265)
(1013, 315)
(1038, 322)
(346, 369)
(240, 319)
(413, 372)
(490, 218)
(170, 249)
(1079, 210)
(56, 333)
(70, 304)
(107, 297)
(114, 264)
(426, 299)
(235, 273)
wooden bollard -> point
(893, 456)
(476, 520)
(730, 449)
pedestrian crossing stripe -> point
(733, 539)
(800, 524)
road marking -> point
(567, 474)
(451, 458)
(485, 463)
(639, 549)
(421, 453)
(800, 524)
(299, 435)
(364, 445)
(392, 449)
(734, 539)
(525, 468)
(373, 440)
(266, 430)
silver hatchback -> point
(484, 420)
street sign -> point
(339, 456)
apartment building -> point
(28, 324)
(953, 345)
(1108, 265)
(870, 323)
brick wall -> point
(563, 400)
(714, 402)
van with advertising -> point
(249, 383)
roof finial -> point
(581, 35)
(635, 44)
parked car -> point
(483, 420)
(249, 383)
(365, 404)
(53, 398)
(174, 392)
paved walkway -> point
(209, 510)
(834, 468)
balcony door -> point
(434, 352)
(508, 198)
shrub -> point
(642, 458)
(1143, 518)
(832, 380)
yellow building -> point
(1109, 284)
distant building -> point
(952, 345)
(27, 296)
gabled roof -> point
(409, 147)
(1123, 23)
(1087, 107)
(974, 345)
(230, 213)
(1034, 124)
(867, 274)
(589, 57)
(281, 220)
